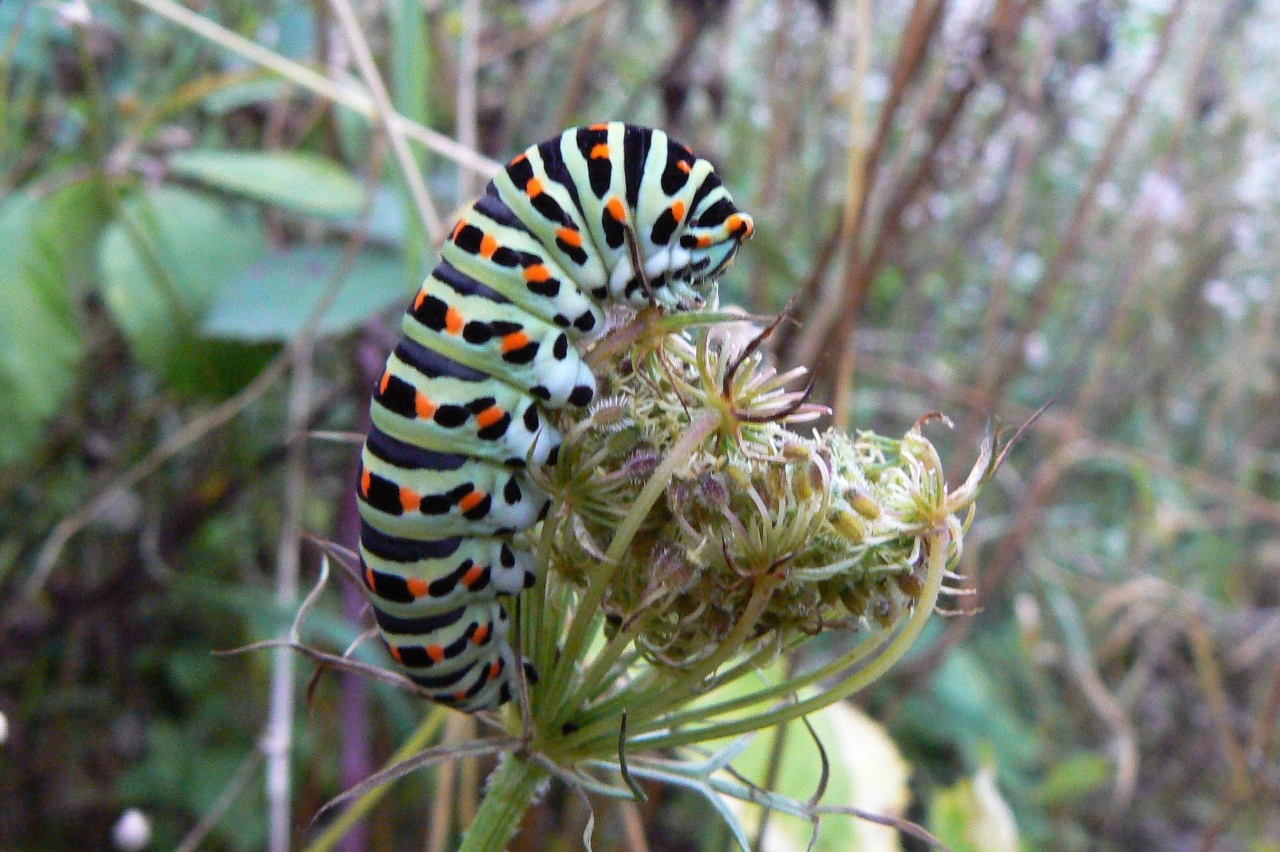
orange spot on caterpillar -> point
(600, 152)
(738, 222)
(704, 241)
(569, 237)
(473, 576)
(368, 578)
(513, 341)
(382, 385)
(469, 502)
(488, 245)
(677, 211)
(453, 321)
(537, 273)
(410, 500)
(616, 210)
(435, 652)
(457, 229)
(598, 126)
(417, 301)
(489, 416)
(423, 407)
(460, 695)
(417, 588)
(366, 480)
(683, 166)
(519, 158)
(395, 652)
(481, 634)
(495, 669)
(533, 188)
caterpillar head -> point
(683, 276)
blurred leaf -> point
(33, 51)
(972, 816)
(304, 183)
(41, 268)
(967, 705)
(163, 263)
(867, 772)
(886, 289)
(1074, 778)
(243, 93)
(272, 299)
(385, 222)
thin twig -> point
(855, 194)
(442, 801)
(1043, 297)
(346, 95)
(277, 741)
(530, 36)
(387, 117)
(343, 823)
(468, 88)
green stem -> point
(512, 788)
(939, 542)
(425, 733)
(597, 584)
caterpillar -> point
(602, 214)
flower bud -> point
(848, 524)
(862, 503)
(641, 465)
(855, 600)
(712, 491)
(608, 412)
(911, 584)
(885, 612)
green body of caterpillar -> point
(490, 343)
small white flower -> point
(1229, 301)
(132, 831)
(74, 13)
(1036, 350)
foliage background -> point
(977, 206)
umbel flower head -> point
(697, 533)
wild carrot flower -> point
(696, 534)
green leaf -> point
(163, 263)
(972, 816)
(41, 269)
(242, 93)
(272, 299)
(1073, 778)
(304, 183)
(867, 772)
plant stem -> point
(511, 790)
(598, 583)
(939, 540)
(426, 732)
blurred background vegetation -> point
(978, 207)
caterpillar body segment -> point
(428, 401)
(603, 214)
(501, 339)
(418, 493)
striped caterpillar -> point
(600, 215)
